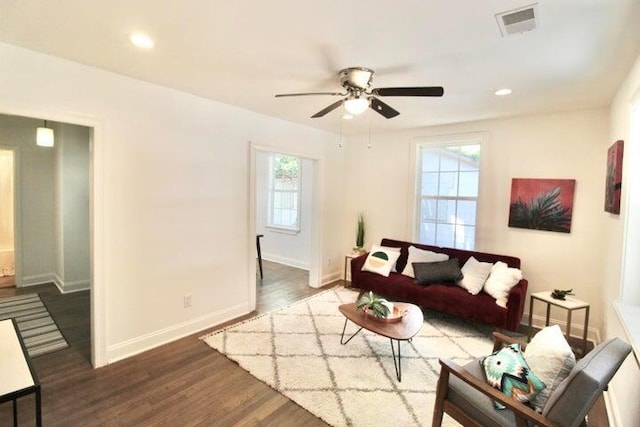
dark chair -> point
(258, 236)
(464, 394)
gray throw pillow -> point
(437, 272)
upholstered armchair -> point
(464, 394)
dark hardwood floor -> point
(183, 383)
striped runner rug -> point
(37, 328)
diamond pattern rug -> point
(297, 351)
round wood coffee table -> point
(404, 330)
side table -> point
(570, 304)
(347, 262)
(17, 376)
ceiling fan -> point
(358, 94)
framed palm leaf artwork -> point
(613, 184)
(542, 204)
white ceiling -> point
(243, 52)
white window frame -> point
(271, 224)
(627, 307)
(443, 141)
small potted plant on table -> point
(374, 306)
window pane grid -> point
(448, 195)
(284, 194)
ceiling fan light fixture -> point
(356, 106)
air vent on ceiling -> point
(518, 20)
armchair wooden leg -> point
(441, 394)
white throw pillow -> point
(391, 248)
(381, 260)
(500, 282)
(551, 358)
(421, 255)
(475, 274)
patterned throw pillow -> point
(507, 371)
(381, 260)
(437, 272)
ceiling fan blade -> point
(409, 91)
(382, 108)
(280, 95)
(329, 109)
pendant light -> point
(44, 136)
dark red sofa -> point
(447, 298)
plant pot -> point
(396, 317)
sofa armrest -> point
(515, 305)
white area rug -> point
(297, 351)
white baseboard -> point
(331, 277)
(77, 286)
(286, 261)
(70, 287)
(63, 287)
(151, 340)
(37, 279)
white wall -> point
(285, 248)
(627, 382)
(562, 145)
(170, 207)
(74, 206)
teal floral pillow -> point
(507, 371)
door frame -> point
(98, 291)
(315, 228)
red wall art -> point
(613, 184)
(542, 204)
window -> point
(448, 180)
(284, 192)
(628, 306)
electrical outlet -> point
(187, 301)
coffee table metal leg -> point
(397, 363)
(344, 328)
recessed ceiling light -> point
(347, 116)
(141, 40)
(503, 92)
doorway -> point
(46, 242)
(7, 240)
(298, 247)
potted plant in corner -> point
(360, 234)
(374, 305)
